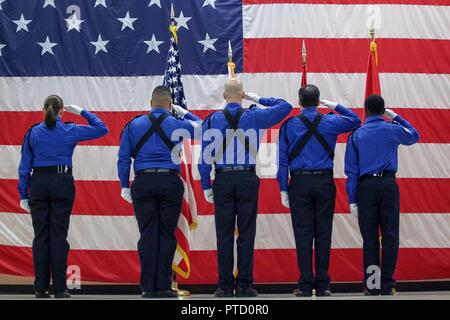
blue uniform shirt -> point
(254, 118)
(45, 146)
(313, 155)
(373, 148)
(154, 153)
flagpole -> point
(173, 30)
(304, 80)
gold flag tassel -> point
(373, 45)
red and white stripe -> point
(414, 50)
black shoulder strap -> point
(27, 137)
(233, 123)
(352, 140)
(312, 131)
(127, 125)
(155, 127)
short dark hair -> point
(161, 93)
(374, 104)
(309, 95)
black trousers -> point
(51, 200)
(157, 199)
(235, 198)
(379, 210)
(312, 201)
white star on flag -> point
(1, 47)
(47, 46)
(1, 1)
(100, 2)
(73, 23)
(49, 3)
(22, 24)
(155, 2)
(182, 21)
(208, 43)
(153, 44)
(100, 44)
(211, 3)
(127, 21)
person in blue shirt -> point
(47, 189)
(230, 142)
(370, 165)
(154, 142)
(306, 149)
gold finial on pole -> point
(231, 64)
(304, 52)
(372, 31)
(173, 27)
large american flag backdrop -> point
(108, 55)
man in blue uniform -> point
(306, 148)
(46, 188)
(153, 141)
(370, 165)
(230, 141)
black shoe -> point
(325, 293)
(167, 294)
(391, 292)
(300, 293)
(370, 293)
(220, 293)
(63, 295)
(39, 295)
(246, 292)
(148, 295)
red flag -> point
(304, 76)
(372, 80)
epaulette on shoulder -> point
(69, 122)
(253, 106)
(128, 123)
(27, 136)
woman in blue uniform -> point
(47, 189)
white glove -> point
(126, 195)
(329, 104)
(284, 199)
(252, 97)
(24, 205)
(354, 209)
(71, 108)
(388, 113)
(208, 193)
(179, 111)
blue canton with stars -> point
(116, 37)
(172, 77)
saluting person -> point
(306, 151)
(154, 142)
(47, 189)
(236, 185)
(370, 165)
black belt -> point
(157, 170)
(236, 168)
(53, 169)
(301, 172)
(387, 174)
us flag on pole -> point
(188, 218)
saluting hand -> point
(252, 97)
(354, 209)
(329, 104)
(209, 196)
(179, 111)
(388, 113)
(126, 195)
(285, 199)
(24, 205)
(71, 108)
